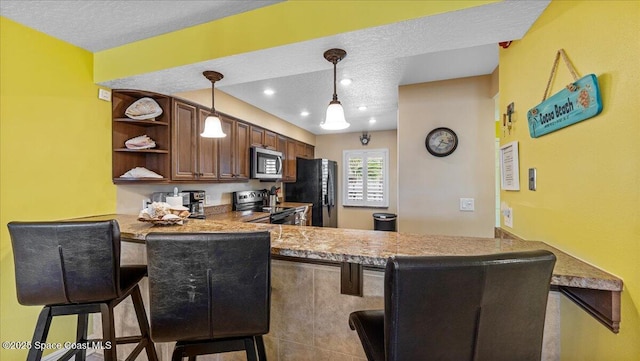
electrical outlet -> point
(507, 213)
(104, 94)
(467, 204)
(207, 199)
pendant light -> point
(212, 126)
(335, 113)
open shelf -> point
(124, 128)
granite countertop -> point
(374, 247)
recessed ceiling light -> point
(345, 81)
(362, 107)
(304, 113)
(372, 120)
(269, 91)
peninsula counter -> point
(307, 296)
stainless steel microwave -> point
(266, 163)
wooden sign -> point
(578, 101)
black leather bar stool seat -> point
(210, 292)
(459, 308)
(74, 268)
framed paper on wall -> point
(509, 167)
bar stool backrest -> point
(489, 307)
(66, 262)
(208, 285)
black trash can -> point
(384, 222)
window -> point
(366, 178)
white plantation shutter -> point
(366, 178)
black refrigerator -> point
(316, 182)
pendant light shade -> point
(334, 119)
(212, 128)
(212, 125)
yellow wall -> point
(331, 146)
(55, 139)
(588, 173)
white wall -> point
(430, 187)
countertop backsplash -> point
(130, 197)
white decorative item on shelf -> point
(143, 109)
(141, 172)
(140, 142)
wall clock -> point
(441, 142)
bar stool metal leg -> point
(108, 332)
(143, 323)
(262, 355)
(40, 333)
(250, 349)
(81, 335)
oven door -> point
(266, 164)
(284, 217)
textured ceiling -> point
(96, 25)
(379, 59)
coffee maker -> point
(194, 200)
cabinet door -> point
(290, 169)
(257, 137)
(281, 146)
(310, 151)
(183, 147)
(243, 144)
(207, 151)
(226, 149)
(301, 150)
(270, 140)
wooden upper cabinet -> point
(193, 157)
(270, 139)
(234, 150)
(226, 149)
(290, 163)
(257, 136)
(181, 154)
(310, 151)
(281, 145)
(301, 150)
(263, 138)
(184, 125)
(242, 147)
(207, 151)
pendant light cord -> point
(335, 92)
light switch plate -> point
(532, 179)
(467, 204)
(104, 94)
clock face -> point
(441, 142)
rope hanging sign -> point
(580, 100)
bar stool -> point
(210, 292)
(74, 268)
(481, 308)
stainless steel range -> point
(256, 201)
